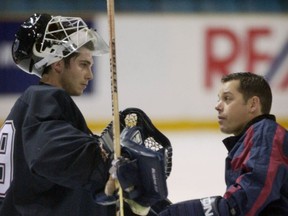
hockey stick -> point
(115, 107)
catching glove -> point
(145, 164)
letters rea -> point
(245, 48)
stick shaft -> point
(113, 73)
(114, 93)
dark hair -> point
(252, 85)
(89, 45)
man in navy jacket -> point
(256, 172)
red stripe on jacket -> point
(275, 161)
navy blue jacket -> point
(257, 169)
(51, 164)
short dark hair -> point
(252, 85)
(89, 45)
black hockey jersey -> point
(50, 163)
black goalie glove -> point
(149, 153)
(145, 164)
(152, 138)
(142, 176)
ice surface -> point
(198, 164)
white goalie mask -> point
(44, 39)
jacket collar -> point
(229, 142)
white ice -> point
(198, 164)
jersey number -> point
(7, 135)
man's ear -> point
(58, 66)
(255, 104)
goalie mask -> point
(44, 39)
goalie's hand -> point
(148, 152)
(110, 196)
(152, 138)
(141, 171)
(130, 179)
